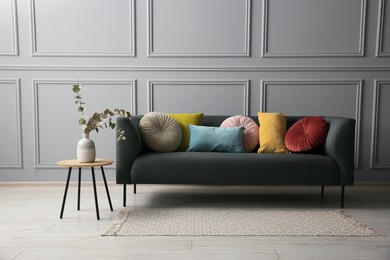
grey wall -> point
(299, 57)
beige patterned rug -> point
(235, 222)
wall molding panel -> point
(9, 45)
(383, 22)
(11, 137)
(75, 35)
(208, 91)
(380, 126)
(306, 30)
(335, 87)
(188, 33)
(40, 115)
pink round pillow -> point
(251, 130)
(306, 134)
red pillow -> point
(306, 134)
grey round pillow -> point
(160, 132)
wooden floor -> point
(30, 227)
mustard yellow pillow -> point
(272, 131)
(184, 120)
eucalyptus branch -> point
(98, 120)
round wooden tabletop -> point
(76, 163)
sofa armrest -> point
(340, 145)
(127, 150)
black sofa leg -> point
(322, 190)
(135, 188)
(124, 195)
(342, 196)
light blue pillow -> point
(216, 139)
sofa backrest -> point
(216, 120)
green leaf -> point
(82, 121)
(76, 88)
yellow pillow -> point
(272, 131)
(184, 120)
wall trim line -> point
(36, 53)
(357, 82)
(244, 83)
(151, 53)
(374, 126)
(35, 82)
(380, 31)
(264, 39)
(19, 160)
(14, 67)
(15, 51)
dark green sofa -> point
(331, 164)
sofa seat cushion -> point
(234, 169)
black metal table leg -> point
(105, 184)
(94, 190)
(124, 195)
(79, 188)
(65, 192)
(342, 196)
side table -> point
(76, 164)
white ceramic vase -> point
(86, 152)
